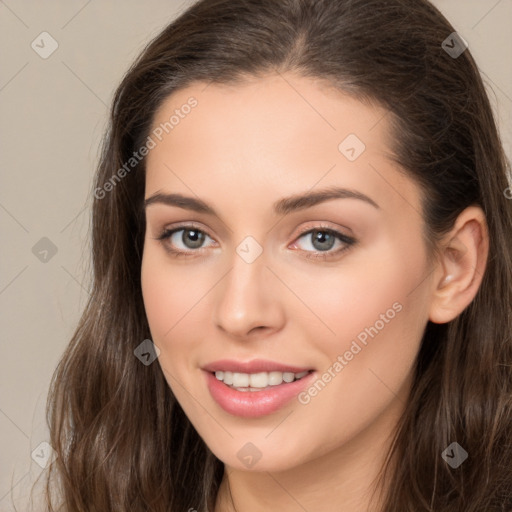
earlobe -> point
(462, 263)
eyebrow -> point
(283, 206)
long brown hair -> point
(123, 442)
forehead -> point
(287, 106)
(273, 133)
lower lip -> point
(252, 404)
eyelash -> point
(348, 242)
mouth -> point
(257, 381)
(255, 388)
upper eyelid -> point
(317, 227)
(179, 227)
(342, 237)
(168, 231)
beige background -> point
(53, 112)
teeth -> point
(240, 380)
(288, 377)
(275, 378)
(257, 381)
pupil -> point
(325, 238)
(195, 236)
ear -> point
(463, 258)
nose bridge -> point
(247, 298)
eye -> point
(184, 240)
(320, 242)
(189, 240)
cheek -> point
(377, 307)
(168, 293)
(175, 295)
(160, 298)
(165, 296)
(378, 320)
(371, 292)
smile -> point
(255, 388)
(257, 381)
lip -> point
(253, 366)
(254, 404)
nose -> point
(247, 300)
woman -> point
(302, 272)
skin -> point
(242, 148)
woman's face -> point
(299, 248)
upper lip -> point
(253, 366)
